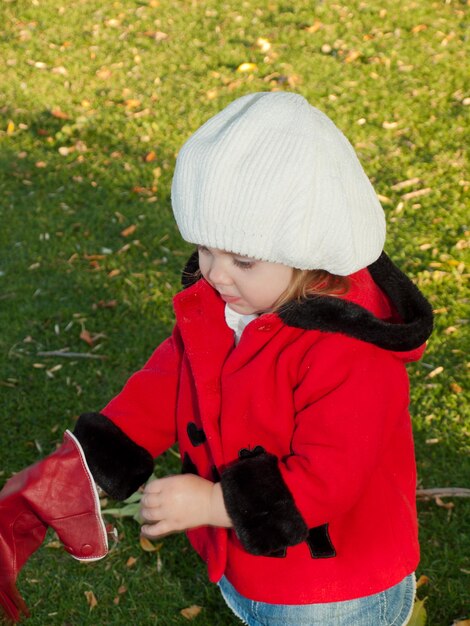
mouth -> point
(229, 299)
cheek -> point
(268, 286)
(279, 281)
(203, 265)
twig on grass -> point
(443, 492)
(72, 355)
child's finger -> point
(154, 486)
(153, 511)
(156, 530)
(150, 500)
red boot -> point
(60, 492)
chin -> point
(241, 308)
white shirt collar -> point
(237, 321)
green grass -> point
(90, 79)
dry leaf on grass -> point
(59, 114)
(436, 372)
(91, 599)
(416, 194)
(86, 337)
(442, 504)
(148, 546)
(409, 182)
(132, 103)
(422, 580)
(191, 611)
(244, 68)
(314, 27)
(128, 231)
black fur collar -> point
(332, 314)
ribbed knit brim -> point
(271, 177)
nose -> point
(218, 274)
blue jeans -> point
(391, 607)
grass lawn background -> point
(96, 99)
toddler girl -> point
(284, 383)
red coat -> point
(306, 424)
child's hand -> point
(176, 503)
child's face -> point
(246, 285)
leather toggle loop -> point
(196, 435)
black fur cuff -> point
(118, 465)
(260, 505)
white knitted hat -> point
(271, 177)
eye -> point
(244, 265)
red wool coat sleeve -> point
(343, 424)
(145, 408)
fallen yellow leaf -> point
(91, 599)
(436, 371)
(247, 67)
(10, 128)
(129, 230)
(60, 115)
(442, 504)
(104, 73)
(263, 44)
(314, 27)
(86, 337)
(148, 546)
(132, 103)
(150, 156)
(352, 56)
(191, 611)
(422, 580)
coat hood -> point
(383, 308)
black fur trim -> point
(196, 435)
(246, 453)
(332, 314)
(188, 466)
(118, 464)
(279, 554)
(261, 506)
(319, 543)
